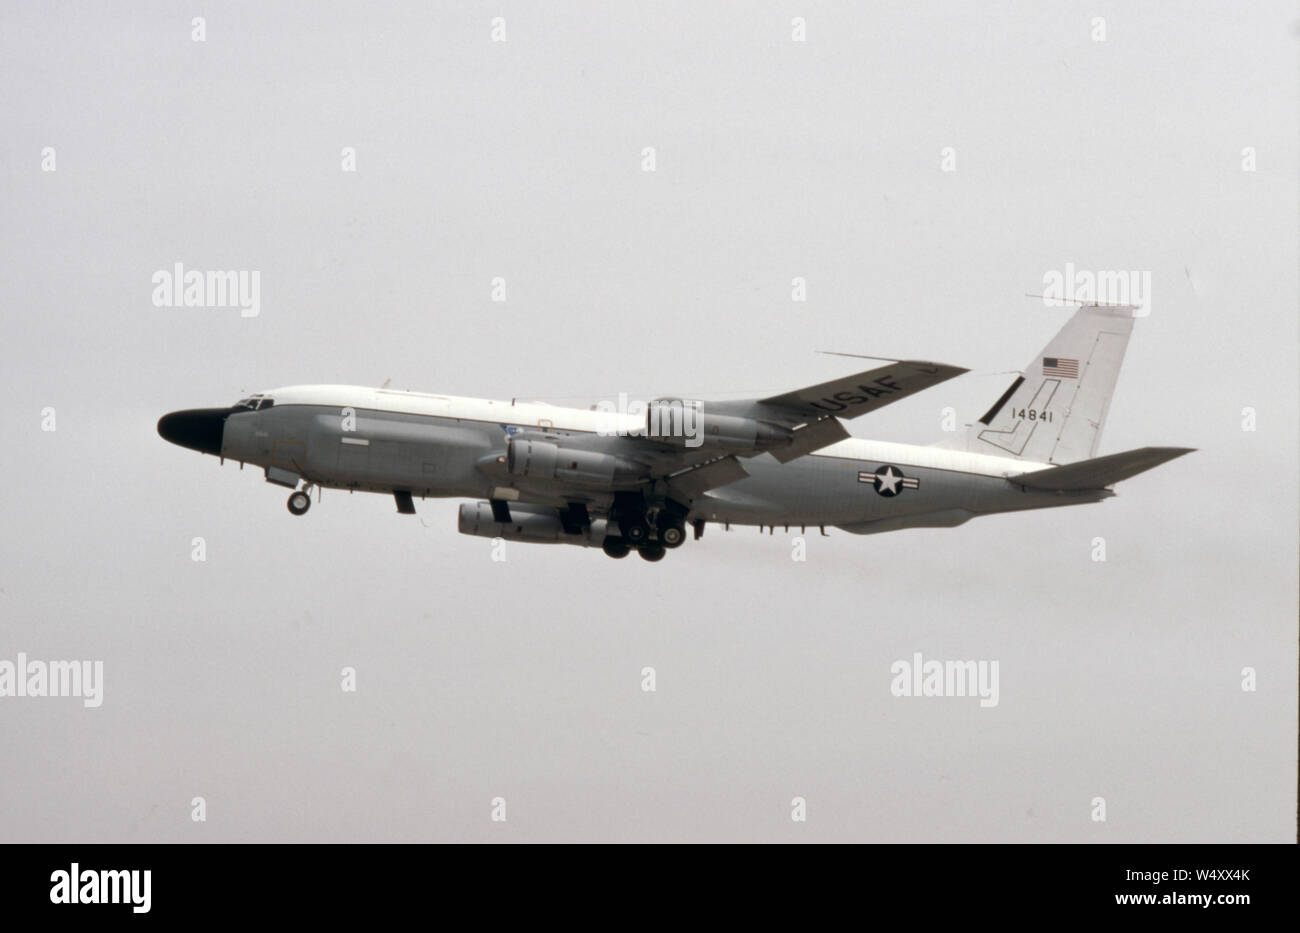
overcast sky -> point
(523, 159)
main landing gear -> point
(652, 551)
(650, 529)
(300, 501)
(672, 535)
(618, 548)
(615, 547)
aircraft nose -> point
(196, 428)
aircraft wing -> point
(815, 411)
(788, 426)
(851, 396)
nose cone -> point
(196, 428)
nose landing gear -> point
(300, 501)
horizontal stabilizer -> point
(1099, 472)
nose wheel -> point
(299, 502)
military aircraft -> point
(635, 477)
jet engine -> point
(687, 424)
(544, 460)
(533, 523)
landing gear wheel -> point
(635, 531)
(299, 502)
(672, 535)
(615, 547)
(651, 552)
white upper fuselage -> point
(542, 415)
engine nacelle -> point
(687, 424)
(535, 524)
(544, 460)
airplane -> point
(635, 477)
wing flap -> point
(812, 436)
(688, 484)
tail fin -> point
(1054, 413)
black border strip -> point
(1006, 396)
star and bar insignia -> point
(889, 480)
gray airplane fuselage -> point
(461, 456)
(636, 477)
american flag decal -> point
(1059, 366)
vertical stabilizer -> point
(1055, 411)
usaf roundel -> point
(889, 480)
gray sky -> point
(522, 159)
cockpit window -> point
(254, 403)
